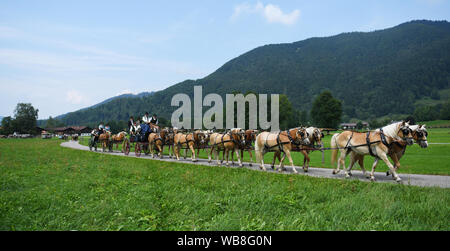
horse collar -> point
(383, 138)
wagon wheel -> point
(126, 147)
(110, 146)
(90, 144)
(137, 149)
(146, 149)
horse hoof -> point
(240, 165)
(350, 174)
(273, 167)
(305, 170)
(387, 173)
(398, 180)
(372, 178)
(250, 164)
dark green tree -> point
(445, 111)
(52, 123)
(359, 125)
(426, 113)
(7, 126)
(303, 118)
(287, 114)
(326, 111)
(25, 118)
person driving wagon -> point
(154, 120)
(95, 134)
(146, 118)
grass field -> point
(46, 187)
(437, 123)
(432, 160)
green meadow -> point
(44, 186)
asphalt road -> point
(407, 179)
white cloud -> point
(272, 13)
(74, 97)
(124, 92)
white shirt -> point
(137, 128)
(146, 119)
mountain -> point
(374, 74)
(127, 95)
(66, 118)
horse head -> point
(317, 136)
(420, 135)
(199, 137)
(302, 136)
(405, 133)
(250, 135)
(122, 135)
(238, 135)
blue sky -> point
(65, 55)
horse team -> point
(389, 141)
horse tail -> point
(334, 150)
(257, 151)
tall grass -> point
(47, 187)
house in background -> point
(352, 126)
(71, 130)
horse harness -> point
(383, 140)
(280, 143)
(187, 140)
(160, 139)
(225, 141)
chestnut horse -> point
(315, 136)
(158, 139)
(104, 139)
(169, 142)
(279, 142)
(116, 139)
(398, 148)
(232, 140)
(374, 143)
(250, 138)
(190, 141)
(203, 146)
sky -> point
(62, 56)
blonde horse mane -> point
(392, 129)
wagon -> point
(140, 143)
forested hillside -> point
(374, 74)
